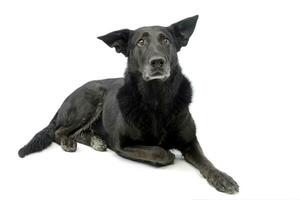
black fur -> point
(141, 116)
(155, 111)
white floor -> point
(54, 174)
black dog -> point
(142, 115)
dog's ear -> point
(118, 40)
(182, 31)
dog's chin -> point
(158, 76)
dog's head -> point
(152, 51)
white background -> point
(243, 61)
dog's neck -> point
(155, 93)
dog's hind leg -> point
(90, 133)
(77, 115)
(68, 144)
(87, 137)
(97, 143)
(62, 137)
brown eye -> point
(141, 43)
(166, 41)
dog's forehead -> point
(150, 31)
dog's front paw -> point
(170, 157)
(222, 182)
(162, 157)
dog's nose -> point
(157, 62)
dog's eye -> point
(165, 41)
(140, 43)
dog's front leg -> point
(153, 155)
(220, 180)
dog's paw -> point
(68, 145)
(98, 144)
(167, 158)
(222, 182)
(163, 157)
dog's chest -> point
(155, 130)
(150, 117)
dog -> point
(141, 116)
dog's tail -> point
(40, 141)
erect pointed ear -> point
(118, 40)
(182, 31)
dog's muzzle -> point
(157, 69)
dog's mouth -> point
(157, 75)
